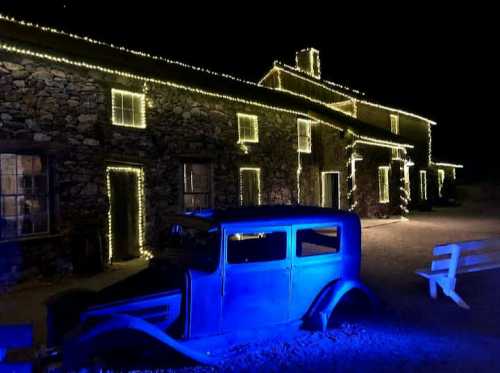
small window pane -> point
(127, 117)
(8, 184)
(196, 202)
(8, 227)
(127, 102)
(321, 241)
(25, 165)
(24, 184)
(25, 225)
(256, 247)
(117, 115)
(40, 223)
(8, 164)
(40, 184)
(9, 206)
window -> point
(129, 109)
(396, 153)
(256, 247)
(383, 184)
(24, 199)
(196, 186)
(318, 241)
(423, 185)
(248, 128)
(249, 186)
(304, 135)
(440, 182)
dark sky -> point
(440, 63)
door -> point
(125, 217)
(331, 189)
(256, 287)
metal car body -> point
(248, 268)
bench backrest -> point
(468, 253)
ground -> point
(409, 331)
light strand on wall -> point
(82, 64)
(280, 65)
(120, 48)
(139, 173)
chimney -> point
(307, 61)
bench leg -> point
(458, 300)
(433, 288)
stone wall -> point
(65, 113)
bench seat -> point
(428, 273)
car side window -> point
(256, 247)
(317, 241)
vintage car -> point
(220, 272)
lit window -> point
(248, 128)
(24, 196)
(129, 109)
(196, 186)
(440, 182)
(249, 186)
(383, 184)
(423, 185)
(304, 135)
(396, 153)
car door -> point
(256, 284)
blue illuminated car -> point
(221, 272)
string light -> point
(250, 169)
(118, 93)
(383, 184)
(120, 48)
(286, 68)
(441, 175)
(423, 185)
(442, 164)
(139, 173)
(248, 129)
(82, 64)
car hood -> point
(159, 277)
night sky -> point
(435, 62)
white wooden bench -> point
(456, 258)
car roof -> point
(292, 214)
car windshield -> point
(191, 246)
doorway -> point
(330, 187)
(126, 215)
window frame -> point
(423, 185)
(308, 124)
(384, 193)
(47, 196)
(142, 108)
(259, 186)
(394, 119)
(249, 228)
(317, 227)
(209, 183)
(255, 124)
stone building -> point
(97, 138)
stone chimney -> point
(307, 61)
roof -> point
(268, 213)
(342, 90)
(42, 42)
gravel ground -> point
(408, 333)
